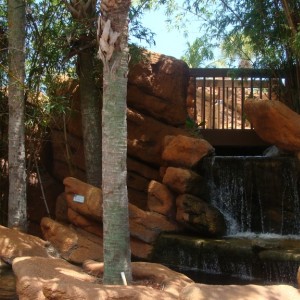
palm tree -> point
(113, 51)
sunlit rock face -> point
(158, 85)
(275, 123)
(156, 100)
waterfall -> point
(259, 198)
(256, 194)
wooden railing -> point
(216, 97)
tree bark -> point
(84, 13)
(17, 208)
(91, 117)
(114, 54)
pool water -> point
(7, 284)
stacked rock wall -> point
(163, 188)
(156, 103)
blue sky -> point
(168, 42)
(171, 42)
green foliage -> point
(193, 128)
(197, 53)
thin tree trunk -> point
(84, 13)
(91, 117)
(116, 242)
(294, 88)
(17, 208)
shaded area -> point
(8, 284)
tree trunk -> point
(84, 13)
(91, 117)
(17, 208)
(293, 70)
(114, 54)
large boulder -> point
(156, 107)
(186, 152)
(144, 170)
(14, 243)
(90, 205)
(34, 273)
(73, 244)
(160, 199)
(158, 85)
(58, 279)
(198, 216)
(173, 281)
(275, 123)
(183, 181)
(146, 137)
(85, 223)
(76, 244)
(239, 292)
(146, 226)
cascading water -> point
(255, 194)
(259, 198)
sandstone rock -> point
(61, 209)
(143, 225)
(186, 152)
(142, 169)
(156, 107)
(239, 292)
(92, 205)
(14, 243)
(146, 135)
(173, 281)
(59, 280)
(183, 181)
(88, 291)
(166, 78)
(140, 249)
(275, 123)
(197, 215)
(160, 199)
(84, 223)
(73, 244)
(32, 273)
(76, 245)
(146, 226)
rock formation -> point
(275, 123)
(161, 163)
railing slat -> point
(220, 94)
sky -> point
(168, 42)
(172, 42)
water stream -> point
(255, 194)
(259, 198)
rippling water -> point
(7, 285)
